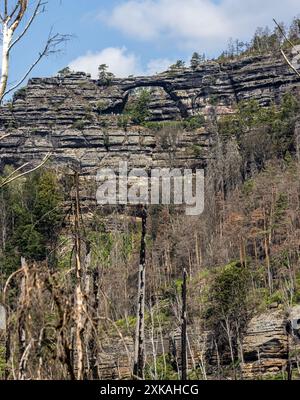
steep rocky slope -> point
(76, 118)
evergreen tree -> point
(104, 75)
(180, 64)
(195, 60)
(33, 217)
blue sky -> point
(143, 36)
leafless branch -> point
(291, 44)
(22, 7)
(283, 33)
(5, 136)
(5, 8)
(51, 47)
(289, 63)
(14, 172)
(14, 177)
(38, 9)
(8, 282)
(14, 10)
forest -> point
(145, 292)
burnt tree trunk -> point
(139, 351)
(79, 298)
(184, 329)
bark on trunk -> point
(79, 298)
(7, 38)
(184, 330)
(139, 354)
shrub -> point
(190, 123)
(34, 209)
(138, 110)
(195, 122)
(102, 105)
(228, 305)
(123, 121)
(197, 150)
(79, 125)
(64, 71)
(104, 75)
(20, 94)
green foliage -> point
(102, 244)
(64, 71)
(34, 214)
(229, 290)
(161, 369)
(296, 298)
(2, 362)
(180, 64)
(20, 94)
(248, 187)
(228, 306)
(138, 109)
(128, 323)
(79, 124)
(195, 122)
(276, 297)
(280, 376)
(104, 75)
(197, 150)
(277, 122)
(197, 60)
(190, 123)
(281, 206)
(214, 100)
(106, 140)
(123, 121)
(101, 106)
(65, 256)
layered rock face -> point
(78, 119)
(268, 350)
(265, 345)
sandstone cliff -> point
(76, 118)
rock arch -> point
(127, 86)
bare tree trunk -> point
(184, 330)
(139, 354)
(79, 298)
(21, 11)
(289, 363)
(7, 38)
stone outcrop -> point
(77, 119)
(265, 345)
(267, 350)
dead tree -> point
(16, 174)
(139, 351)
(79, 297)
(12, 16)
(283, 52)
(184, 329)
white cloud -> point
(197, 23)
(157, 65)
(121, 62)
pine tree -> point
(195, 60)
